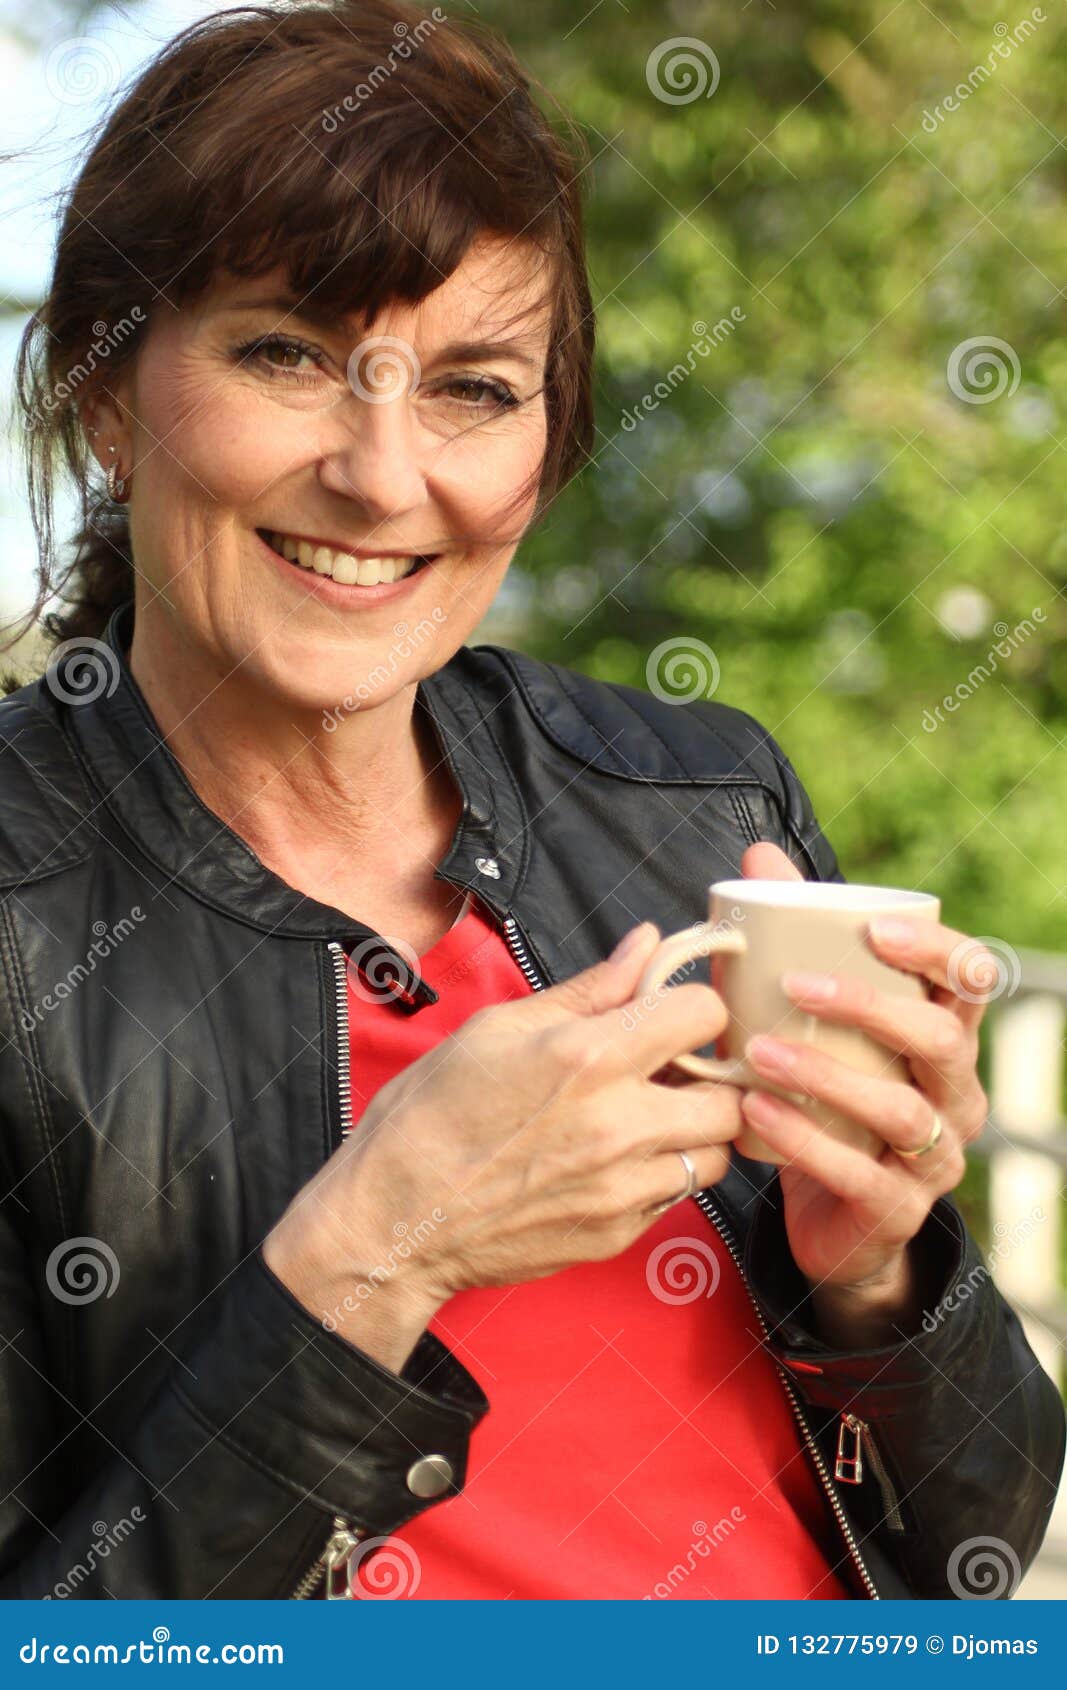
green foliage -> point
(813, 501)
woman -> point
(327, 1102)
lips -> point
(343, 567)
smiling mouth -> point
(340, 566)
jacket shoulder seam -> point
(746, 772)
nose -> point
(373, 456)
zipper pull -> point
(335, 1559)
(848, 1467)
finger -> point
(765, 861)
(604, 986)
(964, 967)
(702, 1112)
(896, 1111)
(885, 1190)
(664, 1023)
(664, 1177)
(913, 1027)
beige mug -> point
(758, 929)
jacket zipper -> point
(715, 1216)
(343, 1536)
(517, 946)
(853, 1437)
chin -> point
(332, 678)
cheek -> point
(482, 474)
(220, 441)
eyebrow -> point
(455, 350)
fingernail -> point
(761, 1106)
(893, 931)
(816, 988)
(629, 942)
(772, 1056)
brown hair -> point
(362, 144)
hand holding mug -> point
(854, 1190)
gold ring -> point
(923, 1148)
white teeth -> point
(345, 569)
(342, 566)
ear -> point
(100, 411)
(765, 861)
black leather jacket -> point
(173, 1068)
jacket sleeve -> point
(965, 1440)
(805, 841)
(265, 1427)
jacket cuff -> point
(320, 1416)
(956, 1287)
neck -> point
(294, 789)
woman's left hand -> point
(849, 1216)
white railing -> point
(1026, 1145)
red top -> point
(639, 1442)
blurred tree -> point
(858, 518)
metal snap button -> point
(489, 866)
(430, 1476)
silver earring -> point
(117, 485)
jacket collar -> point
(146, 789)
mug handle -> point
(672, 952)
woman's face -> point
(249, 428)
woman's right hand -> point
(531, 1139)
